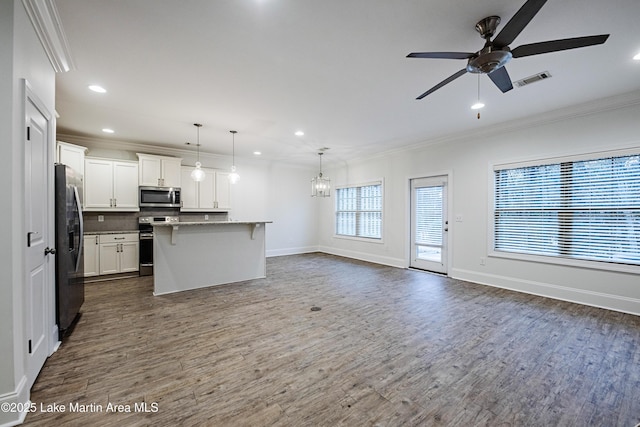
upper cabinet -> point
(158, 171)
(111, 185)
(71, 155)
(209, 195)
(223, 190)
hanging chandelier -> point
(233, 176)
(320, 186)
(198, 174)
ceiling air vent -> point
(532, 79)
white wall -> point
(21, 57)
(468, 158)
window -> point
(575, 209)
(359, 211)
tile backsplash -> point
(113, 221)
(128, 221)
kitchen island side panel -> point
(202, 255)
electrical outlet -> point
(206, 217)
(483, 261)
(458, 218)
(100, 218)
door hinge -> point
(29, 346)
(28, 133)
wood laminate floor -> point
(389, 347)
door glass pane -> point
(428, 216)
(429, 253)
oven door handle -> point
(146, 236)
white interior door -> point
(429, 224)
(39, 277)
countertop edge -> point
(171, 224)
(94, 233)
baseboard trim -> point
(291, 251)
(363, 256)
(548, 290)
(19, 397)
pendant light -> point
(198, 174)
(320, 186)
(233, 176)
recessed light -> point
(257, 153)
(299, 133)
(107, 130)
(97, 88)
(477, 106)
(637, 57)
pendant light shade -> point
(233, 176)
(320, 186)
(198, 174)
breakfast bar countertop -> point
(166, 224)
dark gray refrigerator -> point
(69, 251)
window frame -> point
(549, 259)
(374, 240)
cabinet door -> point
(72, 156)
(207, 190)
(189, 189)
(125, 185)
(98, 183)
(150, 169)
(109, 258)
(129, 255)
(91, 254)
(223, 190)
(171, 173)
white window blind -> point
(428, 205)
(587, 210)
(359, 211)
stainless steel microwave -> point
(159, 197)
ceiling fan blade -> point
(557, 45)
(518, 22)
(444, 82)
(441, 55)
(501, 79)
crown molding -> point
(47, 25)
(597, 106)
(135, 147)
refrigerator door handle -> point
(80, 220)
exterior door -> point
(39, 264)
(429, 224)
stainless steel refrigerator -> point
(69, 251)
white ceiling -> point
(336, 69)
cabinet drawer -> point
(118, 238)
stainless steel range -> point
(145, 226)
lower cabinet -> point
(111, 254)
(118, 253)
(91, 255)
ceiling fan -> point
(492, 58)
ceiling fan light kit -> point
(493, 57)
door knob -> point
(51, 251)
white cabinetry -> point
(118, 253)
(223, 190)
(111, 185)
(91, 255)
(159, 171)
(209, 195)
(71, 155)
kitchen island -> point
(192, 255)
